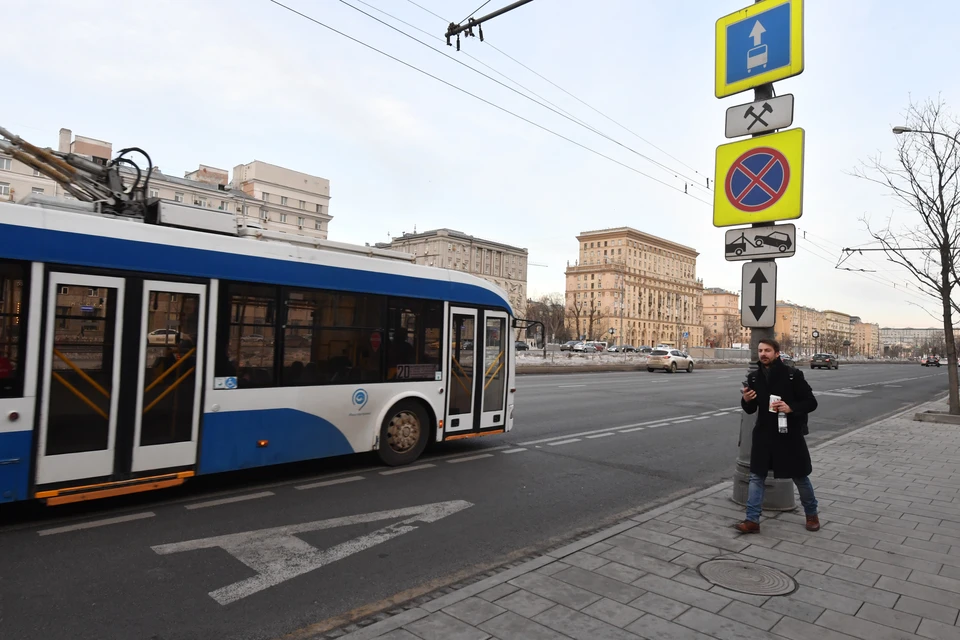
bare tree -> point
(925, 181)
(574, 312)
(731, 330)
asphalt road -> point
(263, 555)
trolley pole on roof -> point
(467, 25)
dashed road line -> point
(570, 441)
(637, 429)
(330, 483)
(469, 458)
(703, 417)
(243, 498)
(600, 435)
(96, 523)
(680, 421)
(406, 469)
(516, 450)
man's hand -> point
(780, 405)
(749, 395)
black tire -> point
(673, 367)
(404, 433)
(690, 367)
(812, 367)
(649, 370)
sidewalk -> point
(884, 566)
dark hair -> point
(770, 341)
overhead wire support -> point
(456, 29)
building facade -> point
(721, 319)
(795, 325)
(866, 339)
(643, 287)
(275, 198)
(502, 264)
(839, 334)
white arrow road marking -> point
(277, 555)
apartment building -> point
(276, 198)
(795, 325)
(866, 339)
(721, 319)
(643, 287)
(502, 264)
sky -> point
(224, 82)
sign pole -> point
(779, 493)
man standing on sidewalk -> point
(778, 443)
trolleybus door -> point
(169, 393)
(81, 377)
(496, 340)
(461, 386)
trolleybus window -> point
(13, 322)
(248, 334)
(414, 329)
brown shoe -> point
(747, 526)
(813, 523)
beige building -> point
(721, 319)
(795, 325)
(642, 286)
(866, 339)
(501, 264)
(839, 330)
(277, 199)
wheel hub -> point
(403, 431)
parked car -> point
(645, 350)
(163, 336)
(583, 347)
(669, 360)
(568, 345)
(786, 358)
(930, 361)
(521, 346)
(824, 361)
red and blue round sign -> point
(757, 179)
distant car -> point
(824, 361)
(521, 346)
(786, 358)
(628, 348)
(930, 361)
(568, 345)
(777, 239)
(583, 347)
(646, 350)
(669, 360)
(163, 336)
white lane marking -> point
(707, 413)
(722, 413)
(277, 554)
(96, 523)
(405, 469)
(569, 386)
(889, 386)
(835, 394)
(679, 421)
(675, 418)
(469, 458)
(214, 503)
(570, 441)
(605, 429)
(702, 417)
(517, 450)
(600, 435)
(330, 483)
(461, 455)
(636, 429)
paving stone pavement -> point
(884, 566)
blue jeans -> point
(755, 496)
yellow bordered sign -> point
(759, 44)
(759, 179)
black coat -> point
(785, 454)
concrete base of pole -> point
(778, 495)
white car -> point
(163, 336)
(669, 360)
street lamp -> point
(898, 130)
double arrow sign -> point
(759, 286)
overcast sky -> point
(225, 82)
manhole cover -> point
(746, 577)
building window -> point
(223, 205)
(303, 205)
(36, 173)
(200, 202)
(283, 200)
(318, 225)
(264, 215)
(5, 163)
(319, 208)
(283, 217)
(37, 190)
(154, 193)
(300, 222)
(4, 189)
(265, 196)
(178, 197)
